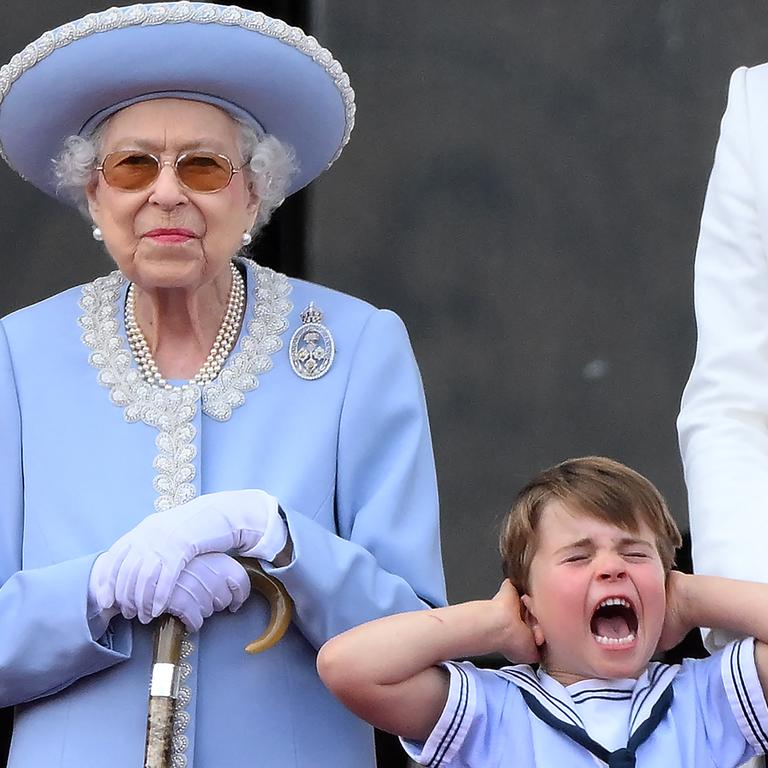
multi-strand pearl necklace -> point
(222, 346)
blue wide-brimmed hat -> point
(257, 68)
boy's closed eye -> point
(576, 558)
(581, 554)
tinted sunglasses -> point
(133, 170)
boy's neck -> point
(566, 678)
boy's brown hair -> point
(598, 487)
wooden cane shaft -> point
(163, 691)
(167, 654)
(159, 732)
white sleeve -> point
(745, 694)
(720, 703)
(723, 423)
(484, 721)
(447, 738)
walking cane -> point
(164, 686)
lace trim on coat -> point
(163, 408)
(171, 411)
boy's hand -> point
(517, 643)
(676, 624)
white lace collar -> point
(268, 309)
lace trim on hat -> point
(179, 13)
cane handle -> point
(280, 604)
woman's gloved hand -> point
(208, 584)
(139, 571)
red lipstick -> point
(170, 235)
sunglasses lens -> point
(204, 171)
(130, 170)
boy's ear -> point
(529, 617)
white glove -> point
(139, 571)
(210, 583)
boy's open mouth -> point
(614, 622)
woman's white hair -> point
(271, 165)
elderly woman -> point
(192, 405)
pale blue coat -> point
(347, 455)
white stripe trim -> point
(659, 678)
(524, 677)
(744, 692)
(451, 728)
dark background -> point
(523, 186)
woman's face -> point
(166, 236)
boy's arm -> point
(385, 671)
(733, 605)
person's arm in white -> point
(723, 423)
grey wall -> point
(523, 187)
(46, 247)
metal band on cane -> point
(164, 685)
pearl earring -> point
(96, 232)
(246, 239)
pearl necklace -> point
(222, 346)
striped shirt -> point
(718, 716)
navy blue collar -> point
(555, 704)
(619, 758)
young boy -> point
(589, 546)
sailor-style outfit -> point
(705, 712)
